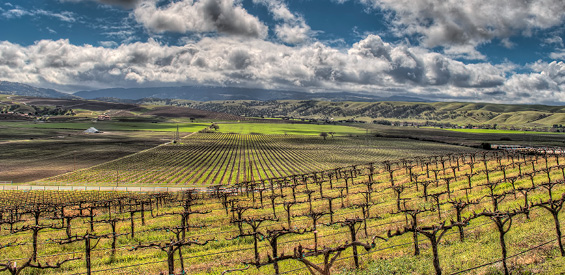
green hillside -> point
(458, 113)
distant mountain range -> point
(196, 93)
(201, 93)
(14, 88)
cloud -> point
(224, 16)
(293, 33)
(108, 44)
(545, 85)
(463, 52)
(470, 22)
(421, 67)
(128, 4)
(292, 28)
(65, 16)
(554, 40)
(370, 65)
(17, 12)
(559, 54)
(123, 3)
(50, 30)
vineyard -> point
(487, 212)
(226, 158)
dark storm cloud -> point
(224, 16)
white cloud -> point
(128, 4)
(470, 22)
(108, 44)
(224, 16)
(65, 16)
(293, 33)
(50, 30)
(369, 65)
(463, 52)
(17, 12)
(559, 54)
(293, 29)
(555, 40)
(546, 84)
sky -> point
(446, 50)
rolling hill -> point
(14, 88)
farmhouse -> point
(104, 117)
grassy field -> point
(227, 250)
(288, 129)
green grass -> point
(494, 131)
(289, 129)
(112, 126)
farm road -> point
(8, 187)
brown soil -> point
(24, 160)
